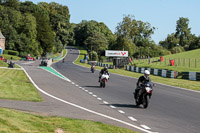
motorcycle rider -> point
(92, 65)
(141, 80)
(104, 70)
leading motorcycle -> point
(144, 94)
(104, 80)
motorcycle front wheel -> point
(146, 101)
(104, 84)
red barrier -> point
(161, 58)
(171, 62)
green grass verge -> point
(193, 85)
(12, 121)
(15, 85)
(61, 57)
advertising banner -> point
(114, 53)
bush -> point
(12, 52)
(5, 51)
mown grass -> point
(183, 62)
(12, 121)
(15, 85)
(193, 85)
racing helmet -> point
(146, 73)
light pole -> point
(176, 54)
(148, 55)
(140, 52)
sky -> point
(161, 14)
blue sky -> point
(161, 14)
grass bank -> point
(193, 85)
(13, 121)
(15, 85)
(188, 61)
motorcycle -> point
(144, 94)
(104, 80)
(92, 68)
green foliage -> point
(92, 29)
(35, 29)
(93, 56)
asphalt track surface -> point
(171, 110)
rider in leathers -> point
(141, 80)
(104, 70)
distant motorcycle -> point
(104, 80)
(144, 94)
(92, 68)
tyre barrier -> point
(157, 72)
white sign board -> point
(116, 53)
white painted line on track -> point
(85, 109)
(112, 106)
(86, 90)
(145, 127)
(90, 93)
(99, 98)
(120, 111)
(80, 87)
(105, 102)
(133, 119)
(77, 85)
(94, 95)
(73, 83)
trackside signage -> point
(116, 53)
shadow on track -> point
(124, 105)
(93, 86)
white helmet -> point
(146, 73)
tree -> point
(126, 44)
(136, 30)
(170, 42)
(132, 34)
(96, 42)
(45, 35)
(183, 32)
(11, 3)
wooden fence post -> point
(195, 63)
(189, 62)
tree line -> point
(44, 28)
